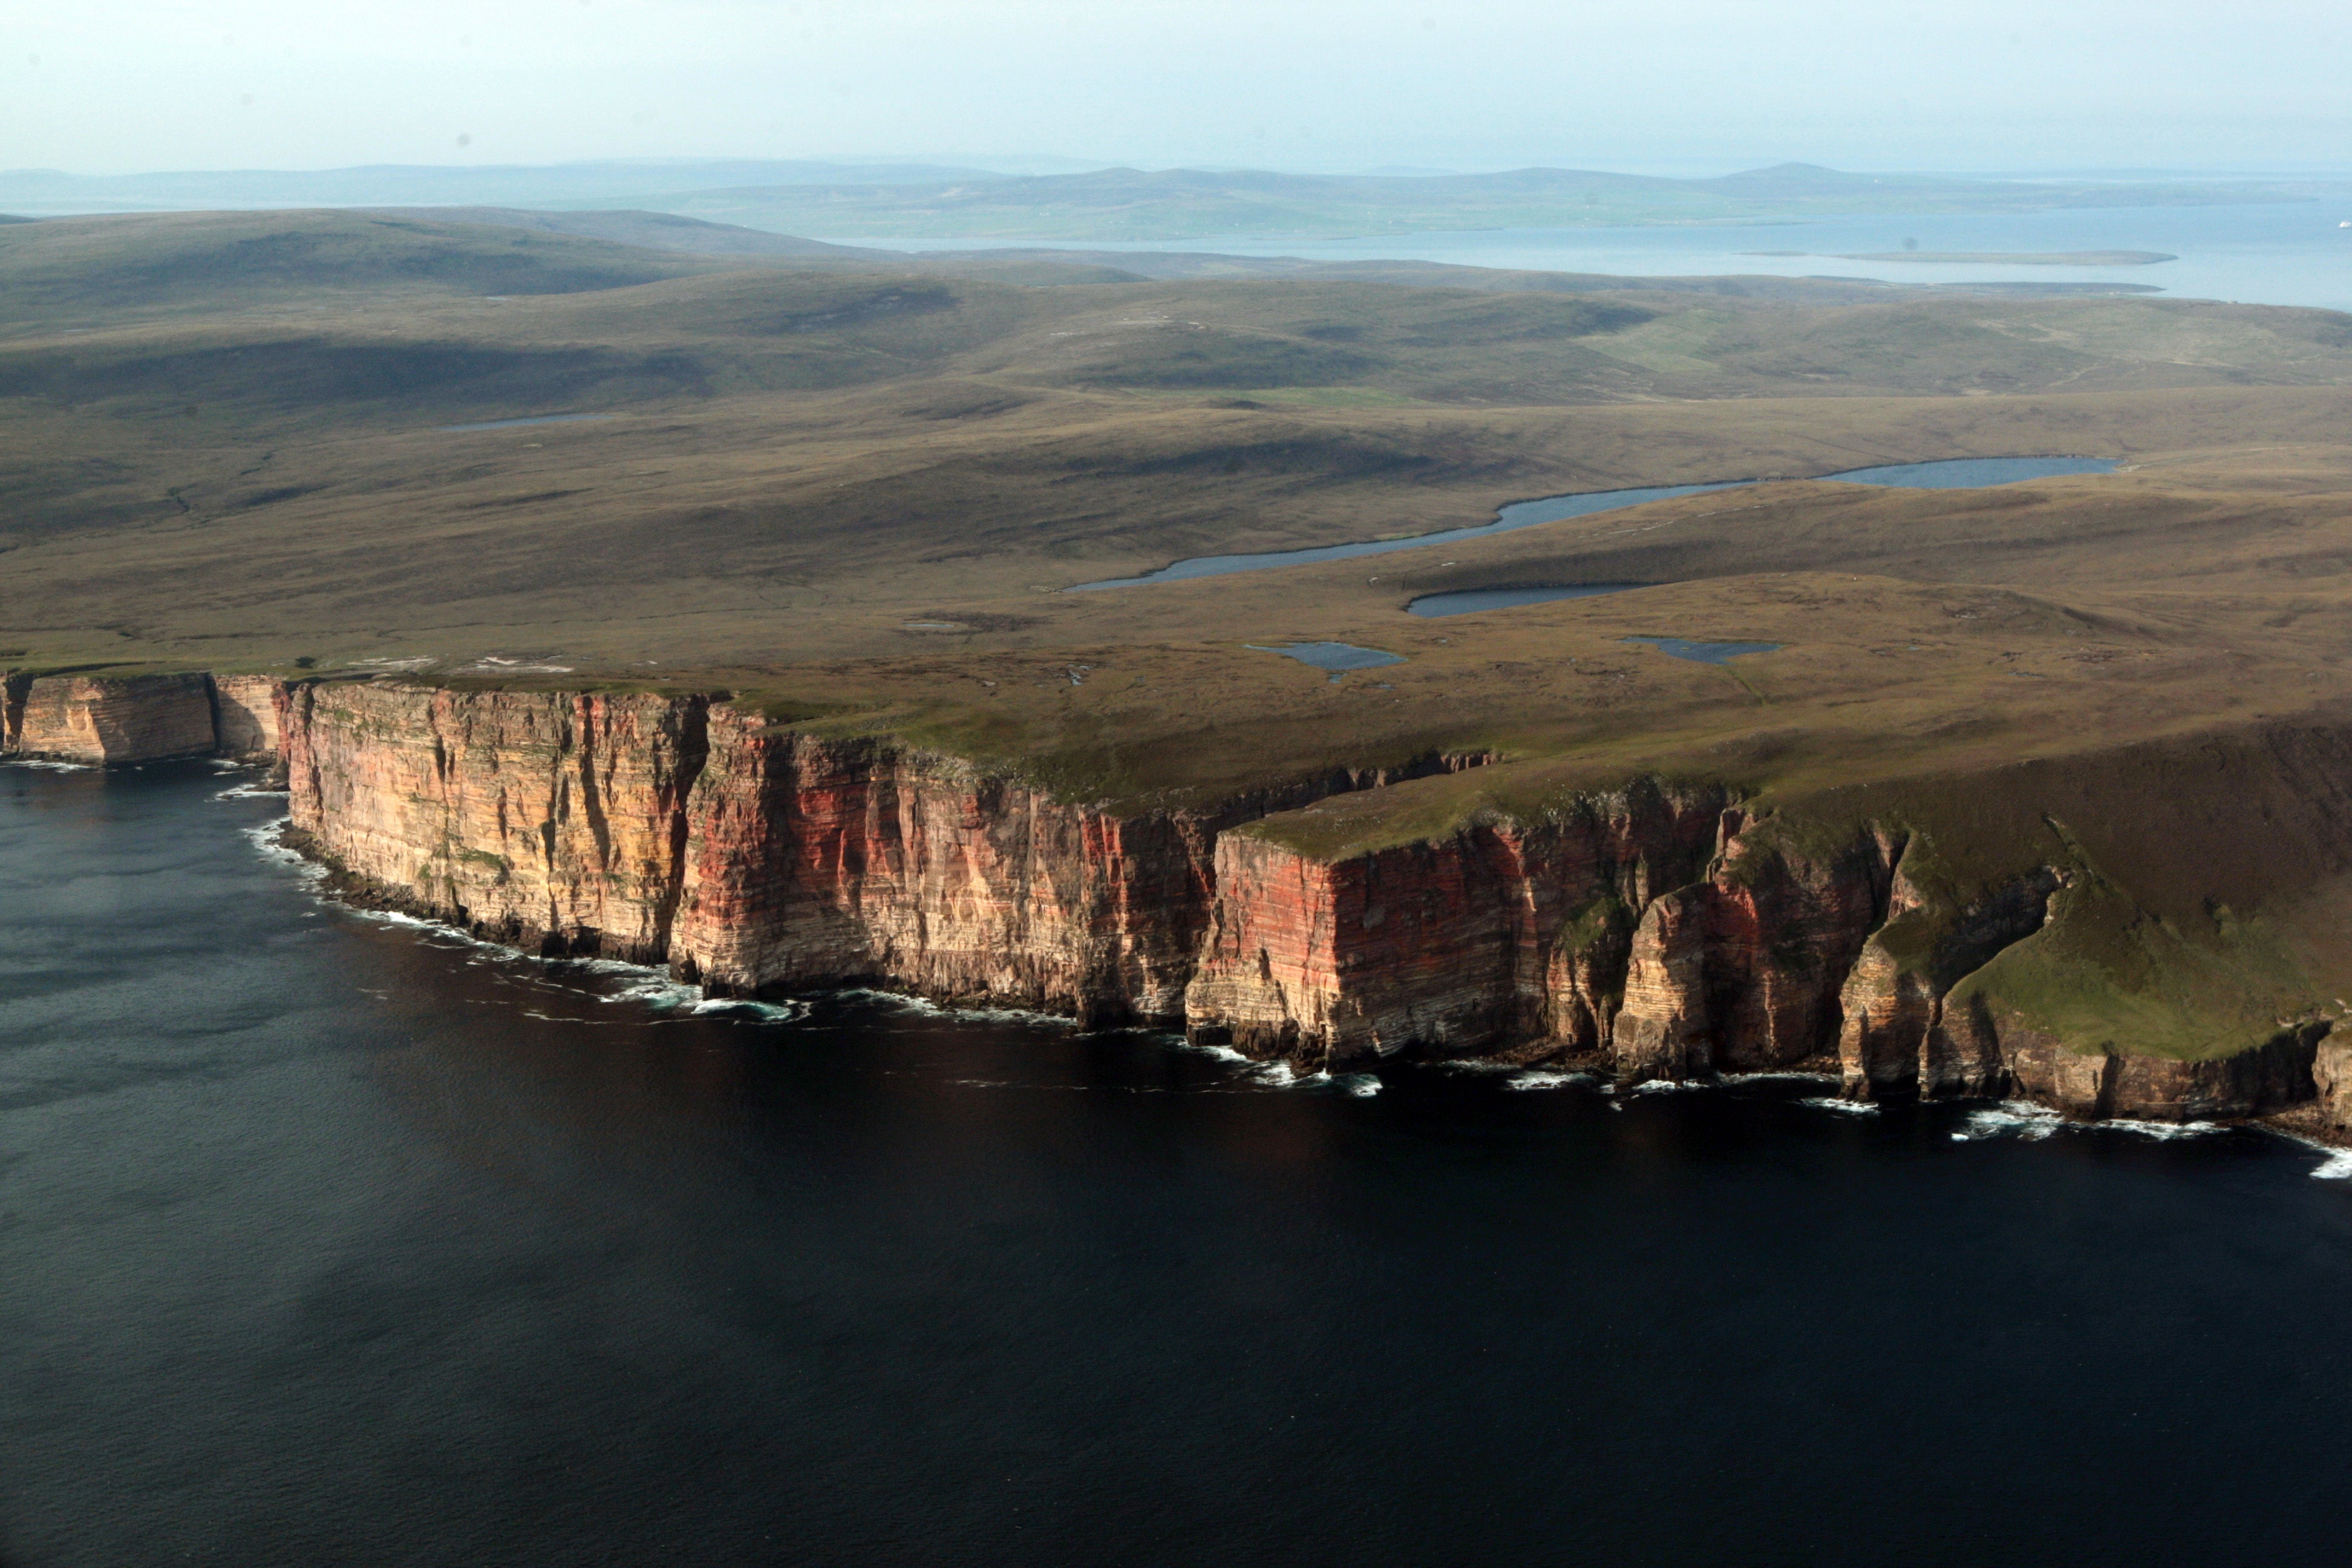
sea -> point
(328, 1238)
(2269, 253)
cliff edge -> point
(2144, 932)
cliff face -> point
(750, 854)
(1497, 934)
(1656, 931)
(550, 820)
(1760, 948)
(245, 716)
(2331, 1071)
(1652, 926)
(812, 861)
(116, 719)
(13, 691)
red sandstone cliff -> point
(549, 819)
(1665, 931)
(752, 854)
(812, 861)
(1499, 933)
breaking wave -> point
(1543, 1077)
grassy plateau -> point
(858, 486)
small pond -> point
(1960, 473)
(1704, 652)
(1467, 600)
(1336, 657)
(514, 424)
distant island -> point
(1993, 257)
(2021, 257)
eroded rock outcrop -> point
(1500, 933)
(2275, 1074)
(112, 718)
(14, 687)
(2331, 1071)
(245, 719)
(1902, 1031)
(1658, 931)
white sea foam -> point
(1779, 1077)
(2020, 1117)
(646, 984)
(1543, 1077)
(49, 765)
(1362, 1085)
(925, 1006)
(2336, 1167)
(268, 843)
(2161, 1129)
(1851, 1107)
(1671, 1085)
(790, 1011)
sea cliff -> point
(103, 720)
(1652, 929)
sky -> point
(1663, 86)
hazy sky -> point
(114, 86)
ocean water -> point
(332, 1239)
(2282, 253)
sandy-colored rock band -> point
(1641, 931)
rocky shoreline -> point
(1655, 931)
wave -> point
(1545, 1078)
(2336, 1167)
(925, 1006)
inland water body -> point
(329, 1240)
(1945, 474)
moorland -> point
(858, 489)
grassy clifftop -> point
(853, 493)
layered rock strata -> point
(14, 687)
(1755, 951)
(1499, 933)
(555, 821)
(753, 856)
(2331, 1071)
(111, 719)
(1656, 931)
(245, 718)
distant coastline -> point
(1994, 258)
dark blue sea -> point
(330, 1240)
